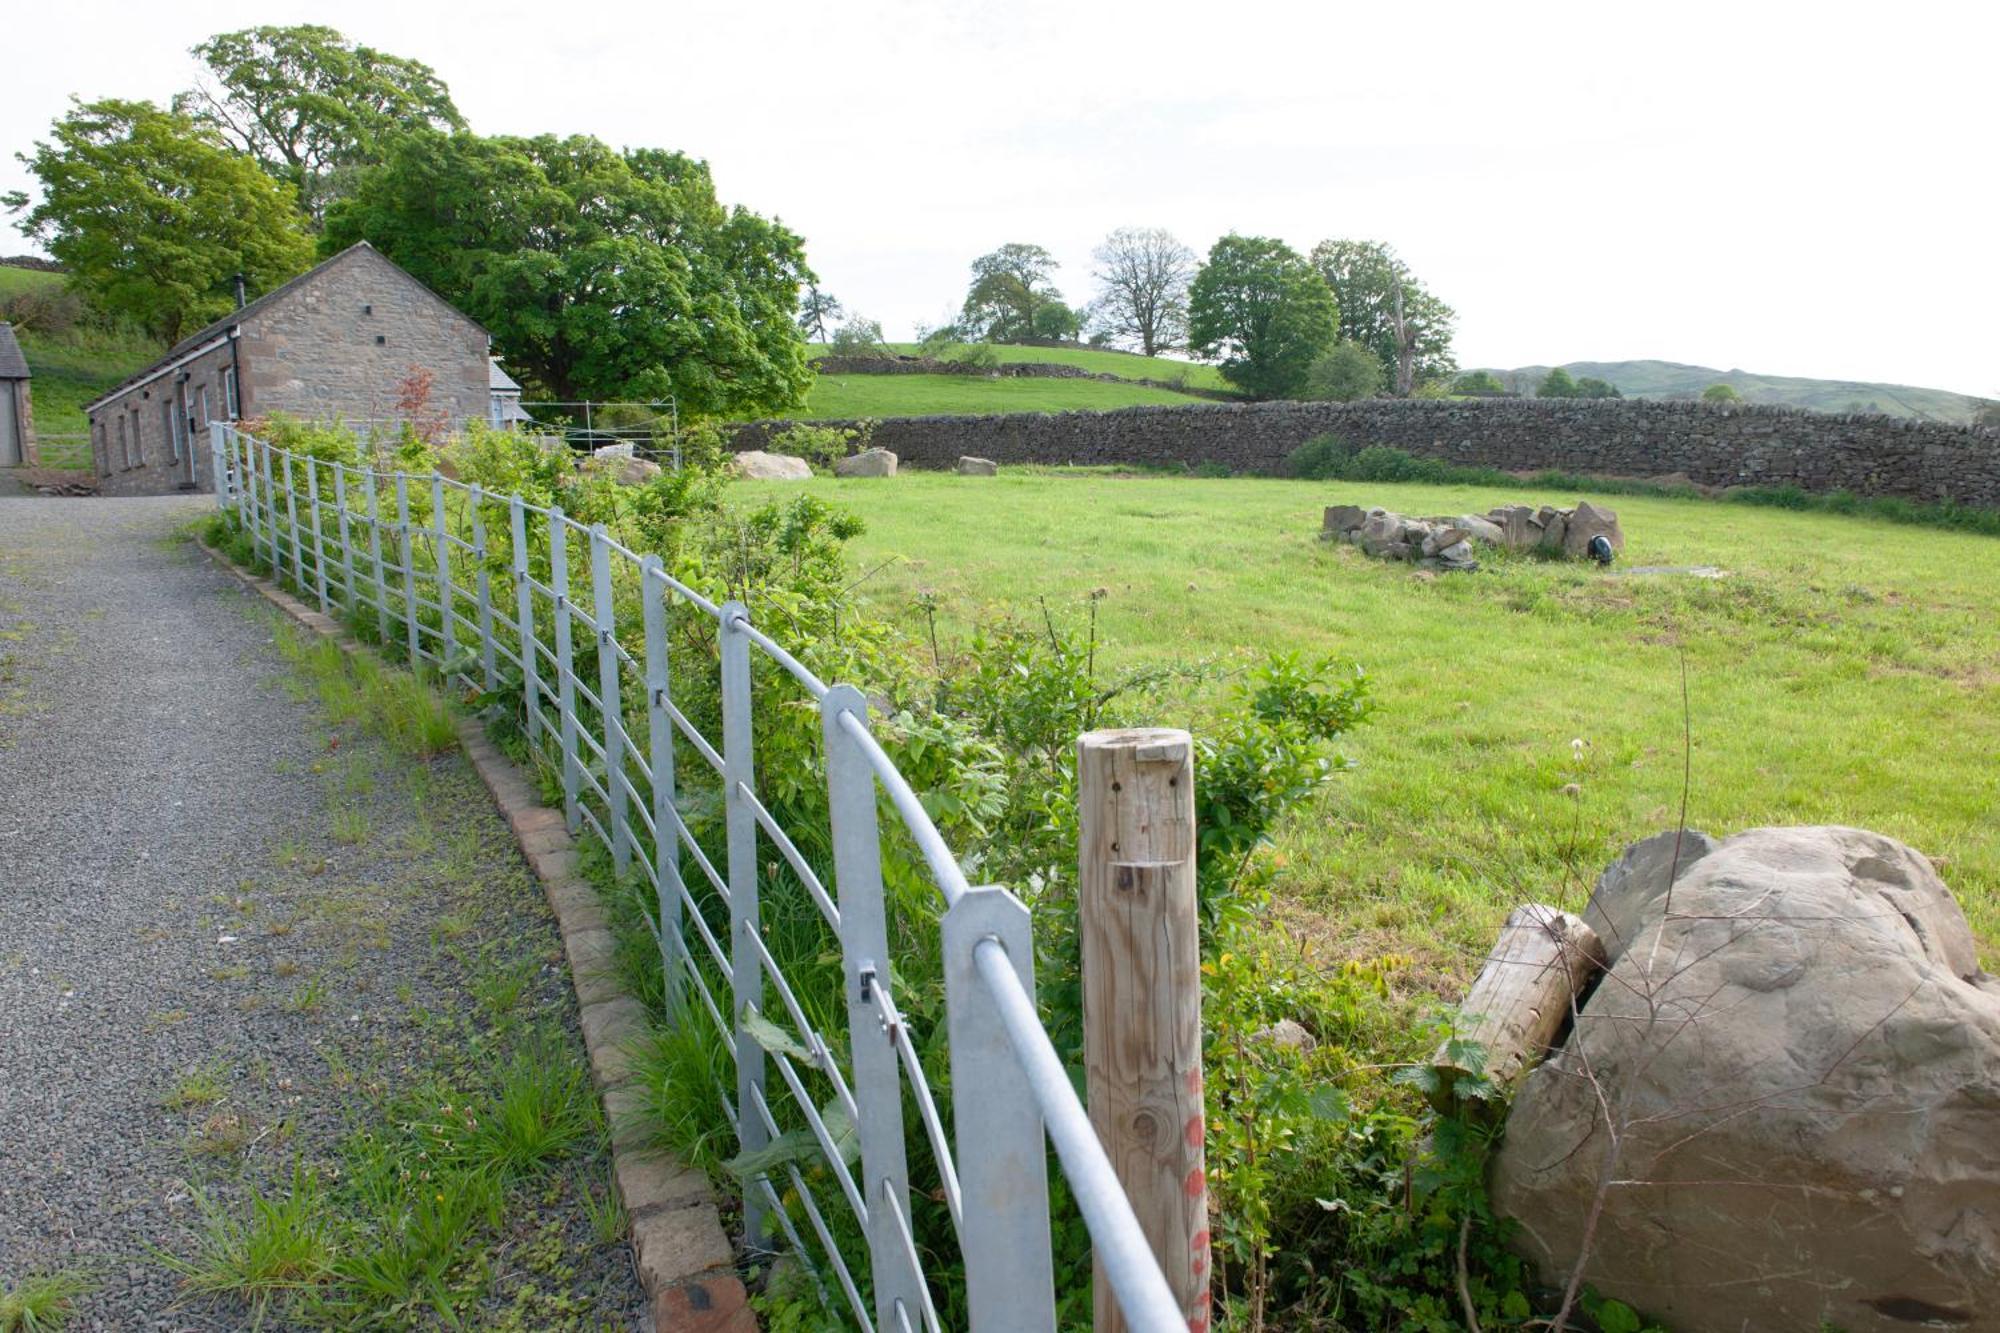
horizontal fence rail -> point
(518, 602)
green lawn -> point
(920, 395)
(1846, 671)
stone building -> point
(17, 413)
(332, 344)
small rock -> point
(969, 465)
(867, 463)
(757, 465)
(1287, 1033)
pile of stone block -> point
(1448, 542)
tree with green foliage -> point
(605, 274)
(154, 219)
(1345, 372)
(818, 311)
(1260, 308)
(1557, 384)
(1589, 386)
(1721, 393)
(1142, 290)
(1479, 384)
(1012, 298)
(309, 106)
(1385, 309)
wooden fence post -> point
(1139, 925)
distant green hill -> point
(71, 366)
(849, 395)
(1096, 360)
(1670, 379)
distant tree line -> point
(1350, 320)
(602, 273)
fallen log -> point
(1519, 1003)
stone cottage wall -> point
(338, 345)
(1715, 446)
(334, 347)
(146, 460)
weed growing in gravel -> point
(201, 1087)
(284, 1247)
(606, 1212)
(394, 705)
(308, 997)
(350, 825)
(40, 1301)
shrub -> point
(1343, 373)
(858, 337)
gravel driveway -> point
(202, 876)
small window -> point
(201, 407)
(100, 448)
(124, 445)
(380, 340)
(168, 425)
(138, 443)
(230, 406)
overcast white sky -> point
(1801, 189)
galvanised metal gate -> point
(345, 535)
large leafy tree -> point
(603, 274)
(1262, 309)
(1385, 309)
(1142, 289)
(153, 218)
(311, 106)
(1012, 298)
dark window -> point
(138, 444)
(379, 340)
(229, 403)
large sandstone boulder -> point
(1803, 1058)
(867, 463)
(760, 466)
(970, 465)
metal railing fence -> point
(480, 587)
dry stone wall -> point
(1714, 446)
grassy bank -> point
(1845, 670)
(841, 396)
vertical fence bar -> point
(660, 749)
(409, 570)
(246, 486)
(997, 1127)
(349, 597)
(270, 489)
(441, 550)
(565, 672)
(218, 467)
(524, 616)
(605, 613)
(1139, 927)
(319, 535)
(292, 523)
(483, 577)
(739, 777)
(375, 553)
(864, 946)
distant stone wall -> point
(1712, 445)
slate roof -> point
(498, 380)
(247, 311)
(13, 366)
